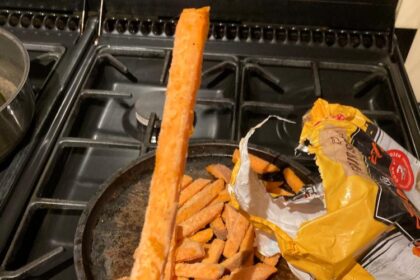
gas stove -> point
(100, 89)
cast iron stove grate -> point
(101, 133)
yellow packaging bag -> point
(322, 235)
(342, 134)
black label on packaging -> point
(392, 206)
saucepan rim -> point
(26, 61)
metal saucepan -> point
(16, 97)
(109, 228)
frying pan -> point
(109, 229)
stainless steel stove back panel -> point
(365, 14)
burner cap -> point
(150, 103)
(288, 133)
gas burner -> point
(289, 133)
(125, 87)
(152, 103)
(147, 104)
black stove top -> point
(249, 72)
